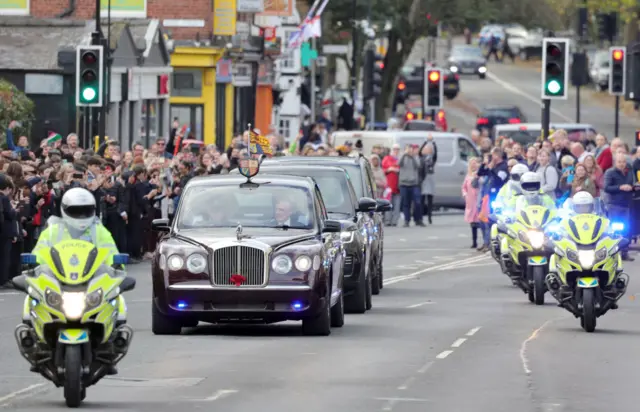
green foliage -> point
(15, 105)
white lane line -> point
(433, 237)
(475, 265)
(417, 305)
(29, 390)
(220, 394)
(407, 383)
(444, 266)
(523, 347)
(444, 354)
(424, 262)
(425, 367)
(402, 240)
(458, 342)
(515, 90)
(429, 249)
(402, 399)
(411, 267)
(474, 331)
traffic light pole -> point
(96, 39)
(577, 104)
(546, 117)
(616, 125)
(354, 50)
(313, 83)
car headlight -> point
(482, 69)
(175, 262)
(586, 258)
(453, 69)
(196, 263)
(303, 263)
(282, 264)
(94, 298)
(536, 239)
(73, 304)
(347, 237)
(52, 298)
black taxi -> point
(249, 248)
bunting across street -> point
(310, 26)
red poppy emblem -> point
(237, 279)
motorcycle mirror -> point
(127, 284)
(624, 243)
(20, 283)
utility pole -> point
(312, 92)
(101, 113)
(354, 50)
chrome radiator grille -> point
(246, 261)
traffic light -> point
(367, 74)
(433, 89)
(555, 68)
(378, 69)
(617, 71)
(409, 116)
(401, 92)
(89, 76)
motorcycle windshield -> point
(75, 261)
(535, 217)
(586, 229)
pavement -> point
(448, 333)
(509, 84)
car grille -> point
(246, 261)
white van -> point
(454, 151)
(528, 133)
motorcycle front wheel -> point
(539, 287)
(588, 322)
(73, 391)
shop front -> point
(224, 103)
(193, 90)
(264, 96)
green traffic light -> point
(554, 87)
(89, 94)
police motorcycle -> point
(503, 209)
(524, 252)
(586, 274)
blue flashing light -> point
(28, 259)
(496, 205)
(182, 305)
(297, 305)
(617, 227)
(121, 259)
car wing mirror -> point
(332, 226)
(161, 225)
(366, 204)
(384, 205)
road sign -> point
(335, 49)
(321, 61)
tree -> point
(15, 105)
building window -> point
(287, 61)
(190, 116)
(284, 128)
(148, 121)
(186, 83)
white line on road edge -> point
(523, 347)
(474, 331)
(220, 394)
(425, 367)
(444, 354)
(406, 384)
(4, 401)
(445, 266)
(402, 399)
(513, 89)
(458, 342)
(417, 305)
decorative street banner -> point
(282, 8)
(124, 8)
(14, 7)
(224, 17)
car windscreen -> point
(333, 187)
(355, 174)
(506, 113)
(467, 52)
(267, 205)
(420, 126)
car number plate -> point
(468, 71)
(452, 86)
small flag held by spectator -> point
(259, 144)
(52, 138)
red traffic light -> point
(554, 50)
(410, 116)
(441, 114)
(402, 86)
(618, 55)
(380, 65)
(89, 57)
(434, 76)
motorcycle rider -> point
(530, 184)
(507, 196)
(78, 221)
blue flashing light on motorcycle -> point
(617, 226)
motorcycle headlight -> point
(347, 237)
(175, 262)
(94, 298)
(52, 298)
(282, 264)
(586, 258)
(196, 263)
(573, 256)
(453, 69)
(73, 304)
(303, 263)
(601, 254)
(536, 239)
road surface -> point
(448, 333)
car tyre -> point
(451, 96)
(320, 324)
(337, 313)
(357, 303)
(482, 76)
(369, 299)
(381, 276)
(162, 324)
(375, 281)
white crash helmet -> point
(530, 183)
(78, 208)
(583, 203)
(517, 171)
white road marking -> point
(425, 367)
(29, 390)
(458, 342)
(402, 240)
(444, 266)
(433, 237)
(417, 305)
(407, 383)
(444, 354)
(420, 250)
(490, 263)
(523, 347)
(424, 262)
(220, 394)
(443, 257)
(402, 399)
(515, 90)
(408, 267)
(474, 331)
(10, 293)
